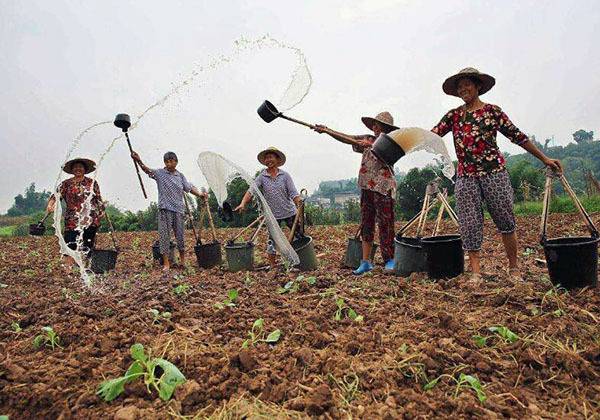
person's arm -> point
(355, 141)
(137, 158)
(97, 199)
(444, 126)
(198, 193)
(245, 200)
(291, 190)
(510, 131)
(51, 206)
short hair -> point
(170, 155)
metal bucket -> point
(409, 256)
(353, 255)
(208, 255)
(157, 255)
(572, 262)
(305, 249)
(240, 256)
(37, 229)
(387, 150)
(267, 111)
(444, 256)
(103, 260)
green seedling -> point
(293, 286)
(248, 280)
(257, 334)
(3, 285)
(67, 294)
(182, 289)
(16, 327)
(49, 339)
(158, 316)
(345, 310)
(146, 368)
(348, 385)
(463, 381)
(480, 341)
(230, 301)
(528, 252)
(558, 313)
(3, 417)
(505, 333)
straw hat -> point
(384, 118)
(88, 164)
(451, 83)
(279, 153)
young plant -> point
(293, 286)
(257, 334)
(164, 380)
(159, 316)
(230, 301)
(505, 333)
(182, 289)
(468, 381)
(344, 310)
(49, 339)
(16, 327)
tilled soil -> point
(404, 360)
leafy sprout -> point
(159, 316)
(293, 286)
(345, 310)
(49, 338)
(182, 289)
(257, 334)
(230, 300)
(164, 379)
(16, 327)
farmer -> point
(377, 190)
(482, 176)
(84, 206)
(171, 186)
(279, 191)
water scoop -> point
(38, 229)
(124, 122)
(390, 147)
(268, 112)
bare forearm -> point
(341, 137)
(246, 199)
(534, 150)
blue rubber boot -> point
(364, 267)
(389, 266)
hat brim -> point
(280, 155)
(450, 85)
(368, 121)
(88, 164)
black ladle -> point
(268, 112)
(124, 122)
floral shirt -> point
(75, 195)
(475, 138)
(374, 175)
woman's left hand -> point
(554, 164)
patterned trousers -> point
(471, 192)
(378, 207)
(168, 220)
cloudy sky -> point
(67, 65)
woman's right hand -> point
(135, 156)
(320, 128)
(241, 208)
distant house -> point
(342, 198)
(321, 201)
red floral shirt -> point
(75, 195)
(475, 138)
(374, 175)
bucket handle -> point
(187, 207)
(111, 229)
(210, 220)
(241, 232)
(550, 175)
(299, 216)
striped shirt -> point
(171, 186)
(279, 191)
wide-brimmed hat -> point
(451, 83)
(279, 153)
(88, 164)
(384, 118)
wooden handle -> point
(580, 208)
(293, 230)
(210, 220)
(545, 207)
(112, 230)
(423, 215)
(187, 207)
(241, 232)
(449, 209)
(137, 169)
(414, 219)
(255, 234)
(285, 117)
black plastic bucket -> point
(572, 262)
(208, 255)
(387, 149)
(409, 256)
(103, 260)
(157, 255)
(354, 253)
(37, 229)
(240, 256)
(444, 256)
(305, 249)
(267, 111)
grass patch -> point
(6, 230)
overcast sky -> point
(69, 64)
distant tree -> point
(33, 201)
(526, 180)
(582, 136)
